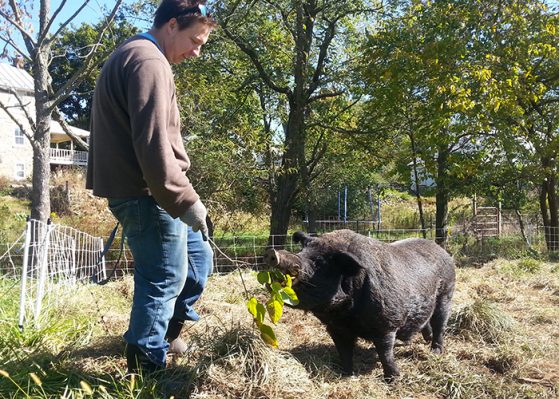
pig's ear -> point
(302, 238)
(347, 263)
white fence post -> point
(73, 270)
(24, 273)
(43, 268)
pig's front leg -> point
(344, 345)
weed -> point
(482, 320)
(529, 265)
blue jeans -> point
(171, 268)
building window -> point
(20, 171)
(20, 138)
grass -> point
(503, 342)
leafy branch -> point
(279, 287)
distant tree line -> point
(294, 99)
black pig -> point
(360, 287)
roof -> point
(20, 80)
(56, 130)
(15, 78)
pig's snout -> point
(286, 262)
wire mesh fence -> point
(48, 260)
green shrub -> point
(4, 185)
(529, 265)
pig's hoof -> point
(437, 350)
(389, 379)
(345, 371)
(391, 374)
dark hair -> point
(186, 13)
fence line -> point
(48, 260)
(55, 258)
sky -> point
(91, 13)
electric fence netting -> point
(47, 262)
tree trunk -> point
(549, 210)
(294, 161)
(442, 197)
(553, 244)
(523, 232)
(544, 212)
(281, 203)
(40, 194)
(417, 188)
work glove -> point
(195, 217)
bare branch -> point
(24, 129)
(67, 129)
(44, 33)
(23, 107)
(9, 41)
(65, 23)
(17, 24)
(88, 64)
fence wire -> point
(47, 261)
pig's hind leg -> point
(427, 332)
(384, 345)
(438, 323)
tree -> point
(38, 52)
(75, 45)
(518, 83)
(297, 51)
(414, 63)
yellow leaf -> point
(289, 296)
(251, 306)
(497, 106)
(268, 335)
(275, 310)
(288, 280)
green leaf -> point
(268, 335)
(256, 309)
(276, 287)
(278, 276)
(289, 296)
(275, 310)
(263, 277)
(260, 312)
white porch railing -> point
(68, 157)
